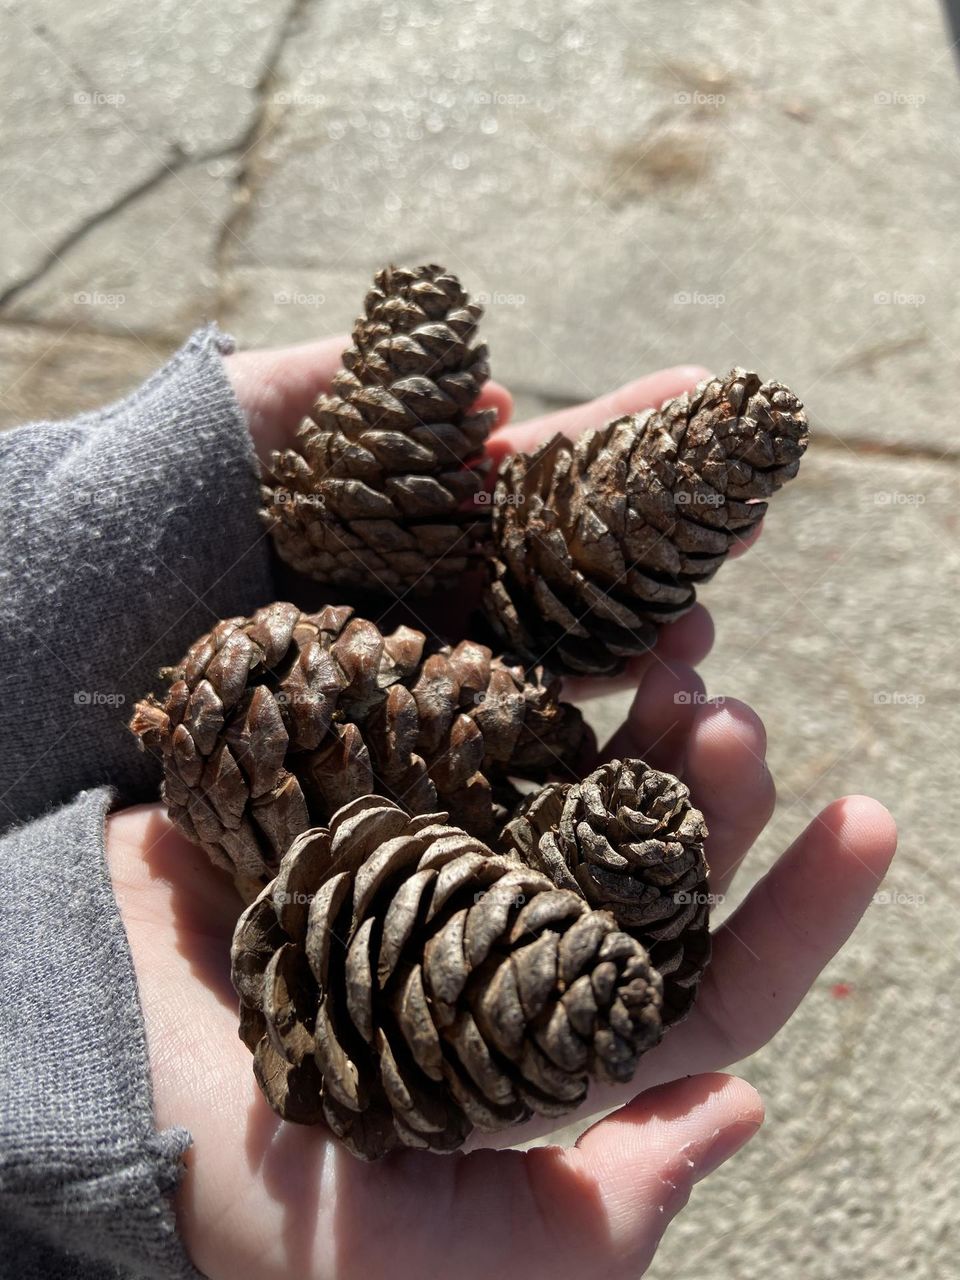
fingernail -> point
(725, 1144)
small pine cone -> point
(379, 492)
(406, 985)
(628, 839)
(273, 722)
(599, 542)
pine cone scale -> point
(383, 468)
(279, 719)
(410, 1022)
(583, 837)
(600, 541)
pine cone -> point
(272, 722)
(600, 541)
(628, 839)
(405, 984)
(379, 492)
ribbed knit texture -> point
(123, 535)
(83, 1172)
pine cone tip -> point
(599, 542)
(379, 492)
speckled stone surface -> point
(627, 186)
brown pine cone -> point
(628, 839)
(406, 985)
(599, 542)
(272, 722)
(379, 491)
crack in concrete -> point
(248, 175)
(50, 41)
(110, 337)
(177, 160)
(868, 358)
(821, 440)
(895, 449)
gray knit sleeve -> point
(124, 535)
(85, 1179)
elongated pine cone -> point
(272, 722)
(378, 493)
(404, 984)
(629, 840)
(600, 541)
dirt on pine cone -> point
(378, 493)
(272, 722)
(404, 984)
(599, 541)
(628, 839)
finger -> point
(496, 396)
(740, 545)
(644, 393)
(660, 718)
(153, 858)
(646, 1158)
(725, 769)
(277, 388)
(688, 640)
(767, 955)
(601, 1207)
(598, 1208)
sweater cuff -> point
(84, 1175)
(124, 535)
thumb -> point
(645, 1159)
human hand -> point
(277, 388)
(262, 1199)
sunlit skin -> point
(261, 1199)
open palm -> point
(262, 1199)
